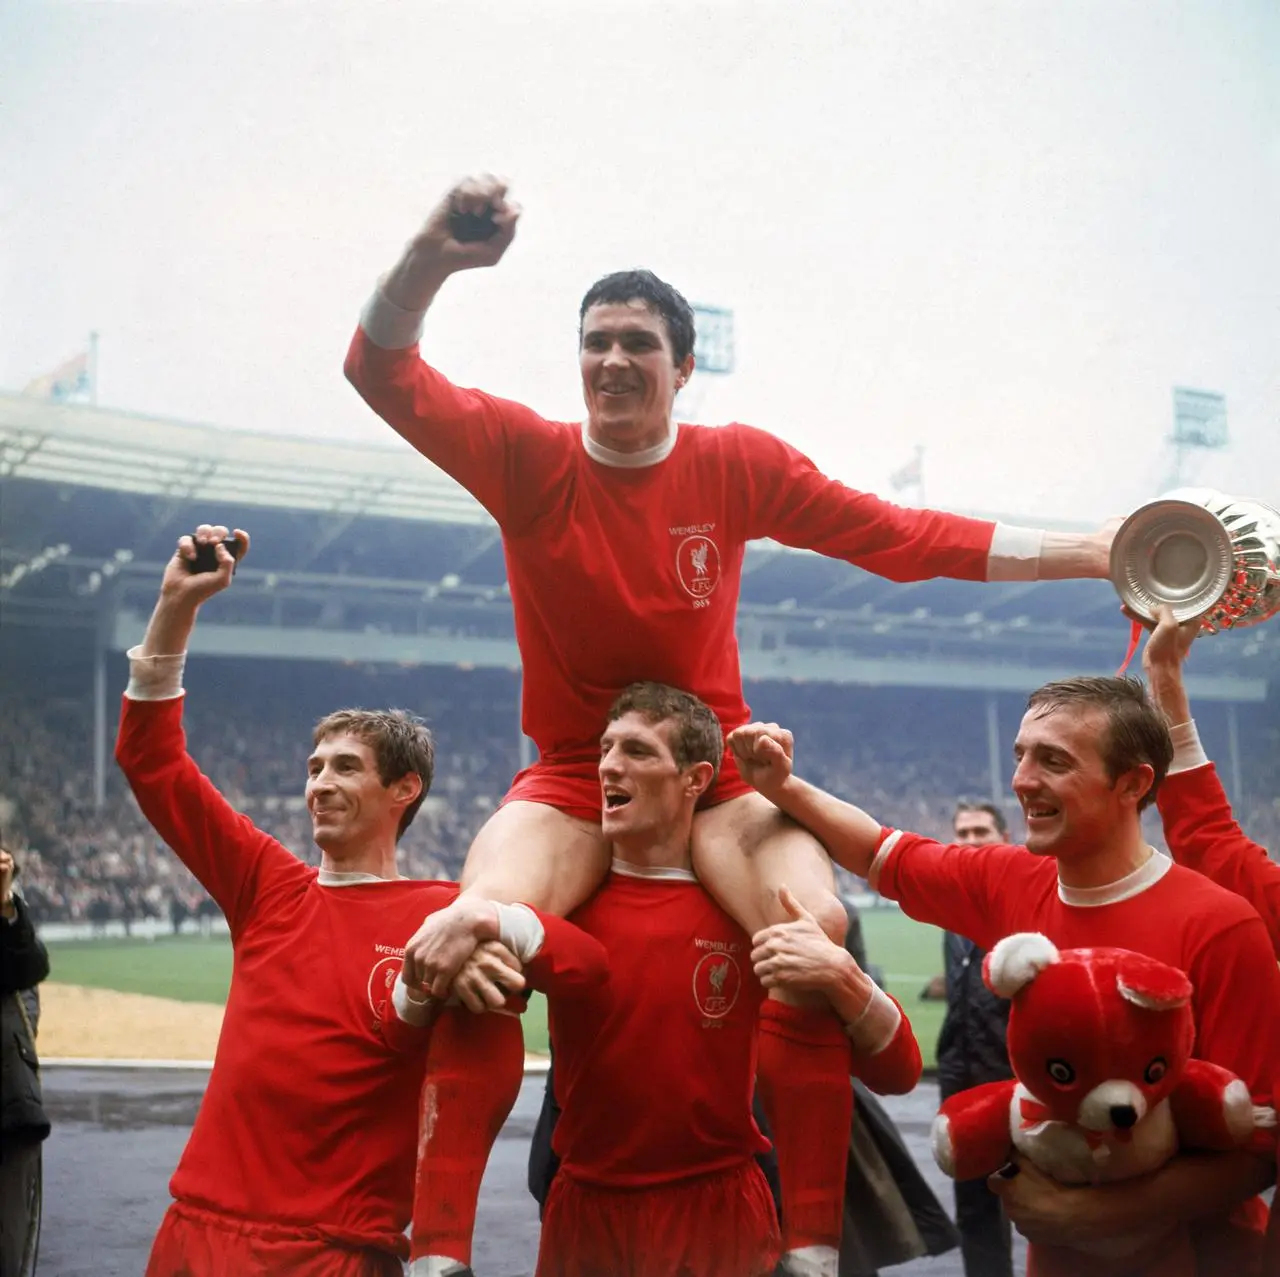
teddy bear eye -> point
(1061, 1072)
(1156, 1069)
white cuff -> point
(882, 854)
(875, 1028)
(154, 678)
(1014, 554)
(388, 325)
(410, 1009)
(521, 930)
(1188, 753)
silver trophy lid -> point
(1172, 551)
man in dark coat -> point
(24, 962)
(971, 1050)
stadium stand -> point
(374, 580)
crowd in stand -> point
(904, 756)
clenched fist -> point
(764, 753)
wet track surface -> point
(118, 1133)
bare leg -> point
(744, 851)
(536, 855)
(533, 854)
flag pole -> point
(93, 367)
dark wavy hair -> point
(644, 286)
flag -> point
(911, 475)
(69, 380)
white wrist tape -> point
(412, 1008)
(154, 678)
(520, 929)
(875, 1028)
(1188, 752)
(1014, 554)
(390, 326)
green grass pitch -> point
(198, 969)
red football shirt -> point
(655, 1069)
(627, 568)
(1203, 834)
(308, 1118)
(1162, 909)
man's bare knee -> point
(830, 915)
(534, 854)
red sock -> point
(803, 1081)
(474, 1069)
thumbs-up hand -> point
(797, 954)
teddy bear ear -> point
(1016, 961)
(1148, 983)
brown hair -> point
(695, 734)
(974, 804)
(401, 743)
(1137, 732)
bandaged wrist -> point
(412, 1008)
(1188, 752)
(875, 1028)
(521, 931)
(388, 325)
(154, 678)
(1015, 553)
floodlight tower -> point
(713, 356)
(1199, 426)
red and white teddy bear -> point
(1106, 1089)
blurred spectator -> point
(24, 963)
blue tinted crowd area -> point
(904, 755)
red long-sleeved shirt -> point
(622, 571)
(1162, 910)
(308, 1119)
(655, 1069)
(1203, 834)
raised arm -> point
(764, 753)
(1199, 825)
(495, 448)
(219, 845)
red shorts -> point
(573, 786)
(720, 1225)
(198, 1243)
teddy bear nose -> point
(1123, 1116)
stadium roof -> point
(211, 465)
(365, 549)
(87, 446)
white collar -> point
(662, 873)
(1132, 884)
(629, 460)
(338, 878)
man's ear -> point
(684, 371)
(407, 788)
(1135, 784)
(699, 778)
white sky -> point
(1000, 230)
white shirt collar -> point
(664, 873)
(629, 460)
(1146, 875)
(336, 878)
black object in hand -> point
(472, 228)
(206, 559)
